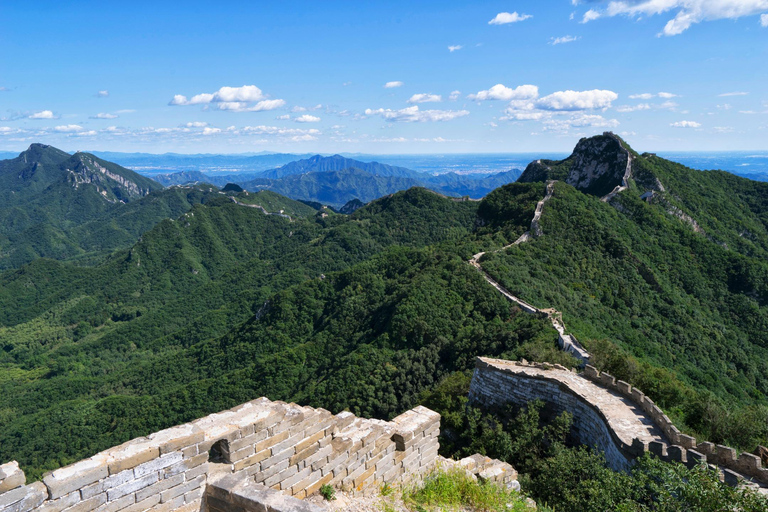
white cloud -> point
(590, 15)
(104, 115)
(306, 118)
(196, 124)
(505, 17)
(241, 106)
(523, 116)
(392, 85)
(737, 93)
(298, 108)
(210, 131)
(88, 133)
(5, 130)
(634, 108)
(234, 99)
(102, 94)
(43, 114)
(565, 39)
(413, 114)
(722, 129)
(425, 98)
(685, 124)
(764, 20)
(648, 95)
(455, 47)
(283, 117)
(577, 100)
(579, 121)
(68, 128)
(276, 130)
(688, 12)
(501, 92)
(454, 95)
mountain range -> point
(216, 297)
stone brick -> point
(171, 493)
(70, 478)
(131, 454)
(24, 499)
(11, 476)
(60, 504)
(177, 438)
(97, 501)
(159, 486)
(131, 486)
(157, 464)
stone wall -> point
(683, 448)
(275, 445)
(494, 387)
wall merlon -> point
(283, 445)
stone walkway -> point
(625, 418)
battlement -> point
(609, 414)
(238, 456)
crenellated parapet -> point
(608, 414)
(261, 450)
(680, 447)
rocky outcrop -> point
(598, 165)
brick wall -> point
(275, 445)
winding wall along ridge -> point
(567, 342)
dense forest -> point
(211, 301)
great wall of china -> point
(266, 456)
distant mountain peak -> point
(597, 165)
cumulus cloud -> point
(68, 128)
(764, 20)
(561, 40)
(577, 100)
(247, 98)
(454, 95)
(686, 12)
(196, 124)
(306, 118)
(102, 94)
(506, 17)
(685, 124)
(413, 114)
(283, 117)
(392, 85)
(43, 114)
(104, 115)
(455, 47)
(502, 92)
(425, 98)
(737, 93)
(210, 131)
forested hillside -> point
(664, 283)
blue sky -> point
(311, 76)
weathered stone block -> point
(71, 478)
(11, 476)
(131, 454)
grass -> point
(454, 489)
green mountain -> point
(659, 270)
(320, 163)
(79, 207)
